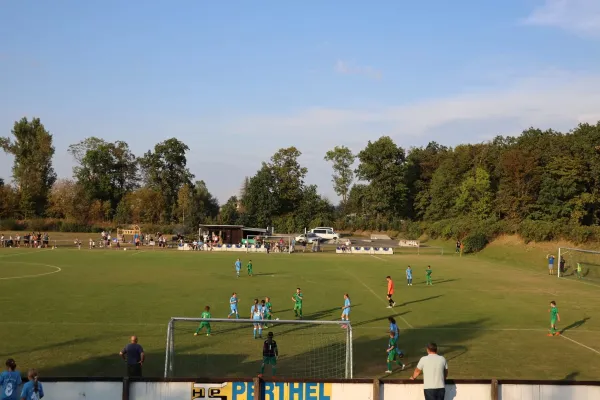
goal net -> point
(588, 260)
(307, 349)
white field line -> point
(379, 258)
(378, 297)
(580, 344)
(57, 269)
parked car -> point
(309, 238)
(326, 233)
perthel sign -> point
(271, 391)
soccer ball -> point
(125, 249)
(276, 319)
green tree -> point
(475, 196)
(260, 202)
(342, 159)
(32, 168)
(229, 214)
(106, 171)
(382, 164)
(165, 170)
(288, 178)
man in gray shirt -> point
(435, 372)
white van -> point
(326, 233)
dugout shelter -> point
(230, 234)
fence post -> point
(376, 387)
(257, 388)
(125, 389)
(495, 389)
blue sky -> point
(238, 80)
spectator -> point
(10, 381)
(133, 353)
(435, 372)
(458, 246)
(33, 389)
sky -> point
(236, 81)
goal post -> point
(307, 348)
(588, 261)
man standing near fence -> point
(134, 355)
(435, 372)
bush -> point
(10, 225)
(538, 231)
(413, 230)
(474, 242)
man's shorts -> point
(297, 306)
(391, 355)
(270, 360)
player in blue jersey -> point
(10, 381)
(238, 267)
(256, 314)
(33, 389)
(409, 276)
(233, 305)
(346, 310)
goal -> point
(589, 260)
(307, 349)
(277, 244)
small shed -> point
(229, 234)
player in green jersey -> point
(428, 272)
(554, 317)
(249, 266)
(579, 271)
(297, 299)
(204, 324)
(392, 353)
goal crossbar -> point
(170, 340)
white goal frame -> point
(170, 345)
(562, 250)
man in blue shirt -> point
(550, 264)
(409, 276)
(133, 353)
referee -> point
(134, 355)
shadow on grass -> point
(571, 376)
(313, 352)
(381, 319)
(575, 325)
(421, 300)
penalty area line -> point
(580, 344)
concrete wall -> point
(353, 390)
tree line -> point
(542, 184)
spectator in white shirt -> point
(435, 372)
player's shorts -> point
(390, 294)
(346, 311)
(391, 355)
(234, 310)
(204, 324)
(553, 321)
(297, 306)
(550, 266)
(270, 360)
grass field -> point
(488, 313)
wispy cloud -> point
(348, 68)
(579, 16)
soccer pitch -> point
(69, 312)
